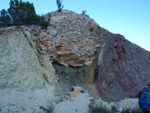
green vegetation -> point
(44, 23)
(49, 110)
(132, 111)
(113, 109)
(5, 18)
(100, 108)
(21, 13)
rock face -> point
(123, 68)
(44, 64)
(20, 67)
(25, 84)
(71, 39)
(72, 44)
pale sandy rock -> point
(129, 104)
(78, 104)
(76, 91)
(12, 101)
(20, 66)
(83, 103)
(77, 88)
(25, 77)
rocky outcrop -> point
(44, 64)
(72, 44)
(113, 65)
(71, 39)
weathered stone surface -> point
(73, 40)
(123, 68)
(76, 91)
(25, 84)
(83, 55)
(70, 39)
(78, 104)
(125, 105)
(12, 101)
(20, 67)
(84, 103)
(76, 76)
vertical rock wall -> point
(20, 67)
(123, 68)
(25, 85)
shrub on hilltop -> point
(21, 13)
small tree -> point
(44, 23)
(20, 13)
(23, 12)
(5, 19)
(59, 5)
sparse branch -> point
(84, 13)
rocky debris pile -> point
(78, 104)
(84, 103)
(124, 106)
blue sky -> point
(130, 18)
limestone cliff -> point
(24, 83)
(20, 66)
(44, 64)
